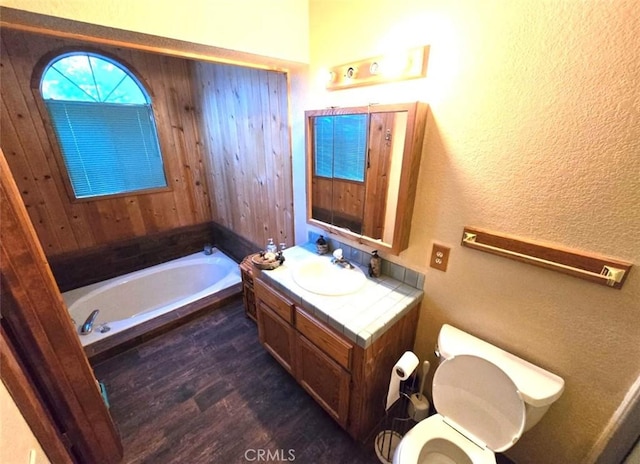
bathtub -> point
(140, 296)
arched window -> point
(104, 122)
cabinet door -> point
(249, 301)
(324, 379)
(277, 336)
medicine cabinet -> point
(362, 171)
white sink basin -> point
(324, 278)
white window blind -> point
(340, 146)
(108, 148)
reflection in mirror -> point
(362, 169)
(386, 143)
(339, 147)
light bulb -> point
(351, 72)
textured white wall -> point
(252, 26)
(534, 131)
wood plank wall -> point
(340, 201)
(63, 225)
(219, 126)
(245, 122)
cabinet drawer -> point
(337, 348)
(279, 304)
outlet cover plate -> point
(440, 257)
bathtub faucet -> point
(87, 327)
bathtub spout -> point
(87, 327)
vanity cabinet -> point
(349, 381)
(316, 357)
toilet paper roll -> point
(401, 371)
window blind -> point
(108, 148)
(323, 146)
(340, 146)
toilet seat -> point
(480, 411)
(433, 440)
(480, 400)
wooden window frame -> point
(36, 79)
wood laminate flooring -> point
(207, 392)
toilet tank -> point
(539, 388)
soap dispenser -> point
(321, 246)
(375, 264)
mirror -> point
(362, 169)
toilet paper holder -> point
(396, 424)
(410, 407)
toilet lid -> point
(480, 401)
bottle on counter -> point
(375, 264)
(271, 247)
(322, 247)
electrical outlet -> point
(440, 257)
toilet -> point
(485, 399)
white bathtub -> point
(137, 297)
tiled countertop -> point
(361, 316)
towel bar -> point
(601, 270)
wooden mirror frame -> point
(412, 153)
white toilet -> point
(485, 399)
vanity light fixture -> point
(401, 65)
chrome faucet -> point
(208, 249)
(87, 327)
(339, 259)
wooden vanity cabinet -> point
(306, 349)
(348, 381)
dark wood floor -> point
(207, 392)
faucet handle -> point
(337, 254)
